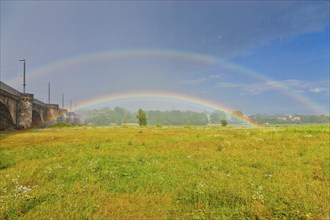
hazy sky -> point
(260, 57)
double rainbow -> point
(169, 54)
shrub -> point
(223, 122)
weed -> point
(130, 143)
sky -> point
(261, 57)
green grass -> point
(165, 173)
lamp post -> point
(23, 74)
(62, 100)
(48, 92)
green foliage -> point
(107, 116)
(217, 116)
(176, 117)
(224, 122)
(237, 116)
(142, 117)
(238, 113)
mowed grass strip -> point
(165, 173)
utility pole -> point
(62, 100)
(70, 105)
(48, 92)
(24, 84)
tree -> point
(238, 113)
(217, 116)
(224, 122)
(238, 116)
(120, 114)
(198, 118)
(214, 118)
(142, 117)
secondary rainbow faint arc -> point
(116, 54)
(179, 55)
(175, 96)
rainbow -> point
(163, 95)
(57, 67)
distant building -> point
(284, 118)
(296, 118)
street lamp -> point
(23, 74)
(62, 100)
(48, 92)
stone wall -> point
(6, 122)
(25, 111)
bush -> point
(223, 122)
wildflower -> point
(268, 175)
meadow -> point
(165, 173)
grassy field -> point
(165, 173)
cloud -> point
(318, 90)
(193, 81)
(201, 79)
(221, 28)
(299, 86)
(227, 85)
(295, 85)
(255, 23)
(215, 76)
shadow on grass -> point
(6, 134)
(6, 160)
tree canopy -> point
(142, 117)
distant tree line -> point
(118, 116)
(176, 117)
(107, 116)
(290, 119)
